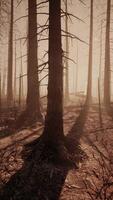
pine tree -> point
(53, 130)
(33, 96)
(10, 61)
(107, 58)
(89, 85)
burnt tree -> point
(67, 55)
(53, 131)
(4, 82)
(15, 94)
(77, 69)
(107, 58)
(0, 92)
(89, 85)
(10, 61)
(33, 96)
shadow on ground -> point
(110, 111)
(43, 174)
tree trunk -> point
(33, 96)
(66, 60)
(10, 62)
(15, 94)
(53, 130)
(0, 92)
(100, 62)
(4, 83)
(89, 85)
(21, 72)
(76, 89)
(107, 59)
(20, 91)
(99, 100)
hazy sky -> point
(76, 27)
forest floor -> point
(93, 179)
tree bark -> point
(0, 92)
(15, 92)
(53, 130)
(20, 91)
(89, 85)
(33, 96)
(4, 83)
(21, 72)
(99, 100)
(10, 61)
(107, 58)
(76, 89)
(101, 48)
(66, 60)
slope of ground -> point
(73, 184)
(96, 171)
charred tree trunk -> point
(21, 72)
(0, 92)
(107, 59)
(4, 83)
(20, 91)
(99, 100)
(53, 130)
(15, 94)
(10, 62)
(89, 85)
(66, 60)
(76, 89)
(100, 62)
(33, 96)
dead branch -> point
(24, 16)
(43, 78)
(65, 14)
(42, 3)
(69, 59)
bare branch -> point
(42, 3)
(21, 18)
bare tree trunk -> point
(21, 72)
(66, 60)
(20, 91)
(0, 92)
(15, 73)
(100, 63)
(33, 96)
(10, 62)
(53, 130)
(107, 58)
(77, 72)
(89, 85)
(99, 100)
(4, 83)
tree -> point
(53, 131)
(21, 70)
(10, 61)
(0, 91)
(89, 85)
(15, 94)
(67, 55)
(76, 90)
(107, 58)
(33, 96)
(4, 82)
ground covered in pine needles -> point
(29, 172)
